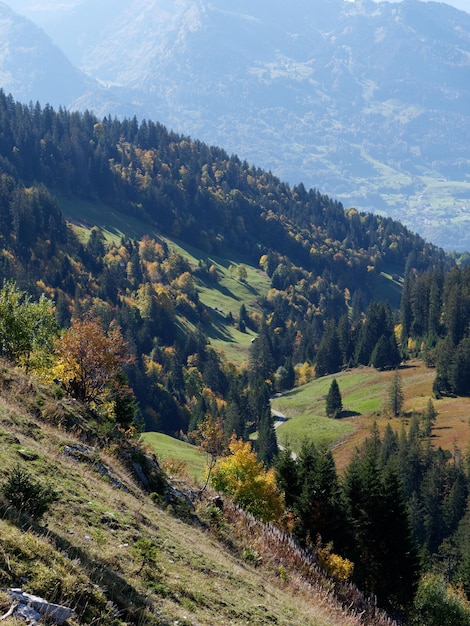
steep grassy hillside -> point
(117, 555)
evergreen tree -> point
(261, 360)
(459, 370)
(125, 407)
(287, 476)
(345, 339)
(389, 447)
(445, 354)
(385, 354)
(406, 314)
(385, 558)
(319, 508)
(378, 322)
(395, 395)
(328, 358)
(266, 444)
(334, 403)
(429, 418)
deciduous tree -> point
(88, 359)
(210, 437)
(27, 328)
(248, 482)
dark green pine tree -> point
(459, 373)
(385, 557)
(396, 397)
(388, 448)
(406, 314)
(261, 361)
(125, 407)
(429, 418)
(266, 444)
(385, 354)
(345, 339)
(319, 509)
(445, 354)
(400, 564)
(462, 540)
(378, 322)
(453, 305)
(334, 402)
(328, 359)
(435, 304)
(287, 475)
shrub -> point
(26, 495)
(337, 567)
(437, 603)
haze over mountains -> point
(365, 101)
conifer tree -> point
(385, 557)
(287, 475)
(334, 403)
(328, 358)
(385, 354)
(429, 418)
(319, 510)
(395, 395)
(266, 444)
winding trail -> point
(281, 419)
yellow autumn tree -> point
(247, 481)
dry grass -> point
(452, 426)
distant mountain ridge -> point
(28, 60)
(366, 101)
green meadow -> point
(169, 449)
(363, 392)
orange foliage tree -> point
(89, 360)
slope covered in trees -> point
(325, 264)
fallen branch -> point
(10, 611)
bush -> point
(27, 495)
(437, 603)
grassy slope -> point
(227, 295)
(364, 394)
(86, 552)
(174, 454)
(221, 298)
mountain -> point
(173, 257)
(301, 260)
(365, 101)
(34, 69)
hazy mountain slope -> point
(365, 101)
(31, 67)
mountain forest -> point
(111, 233)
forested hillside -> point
(114, 313)
(324, 264)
